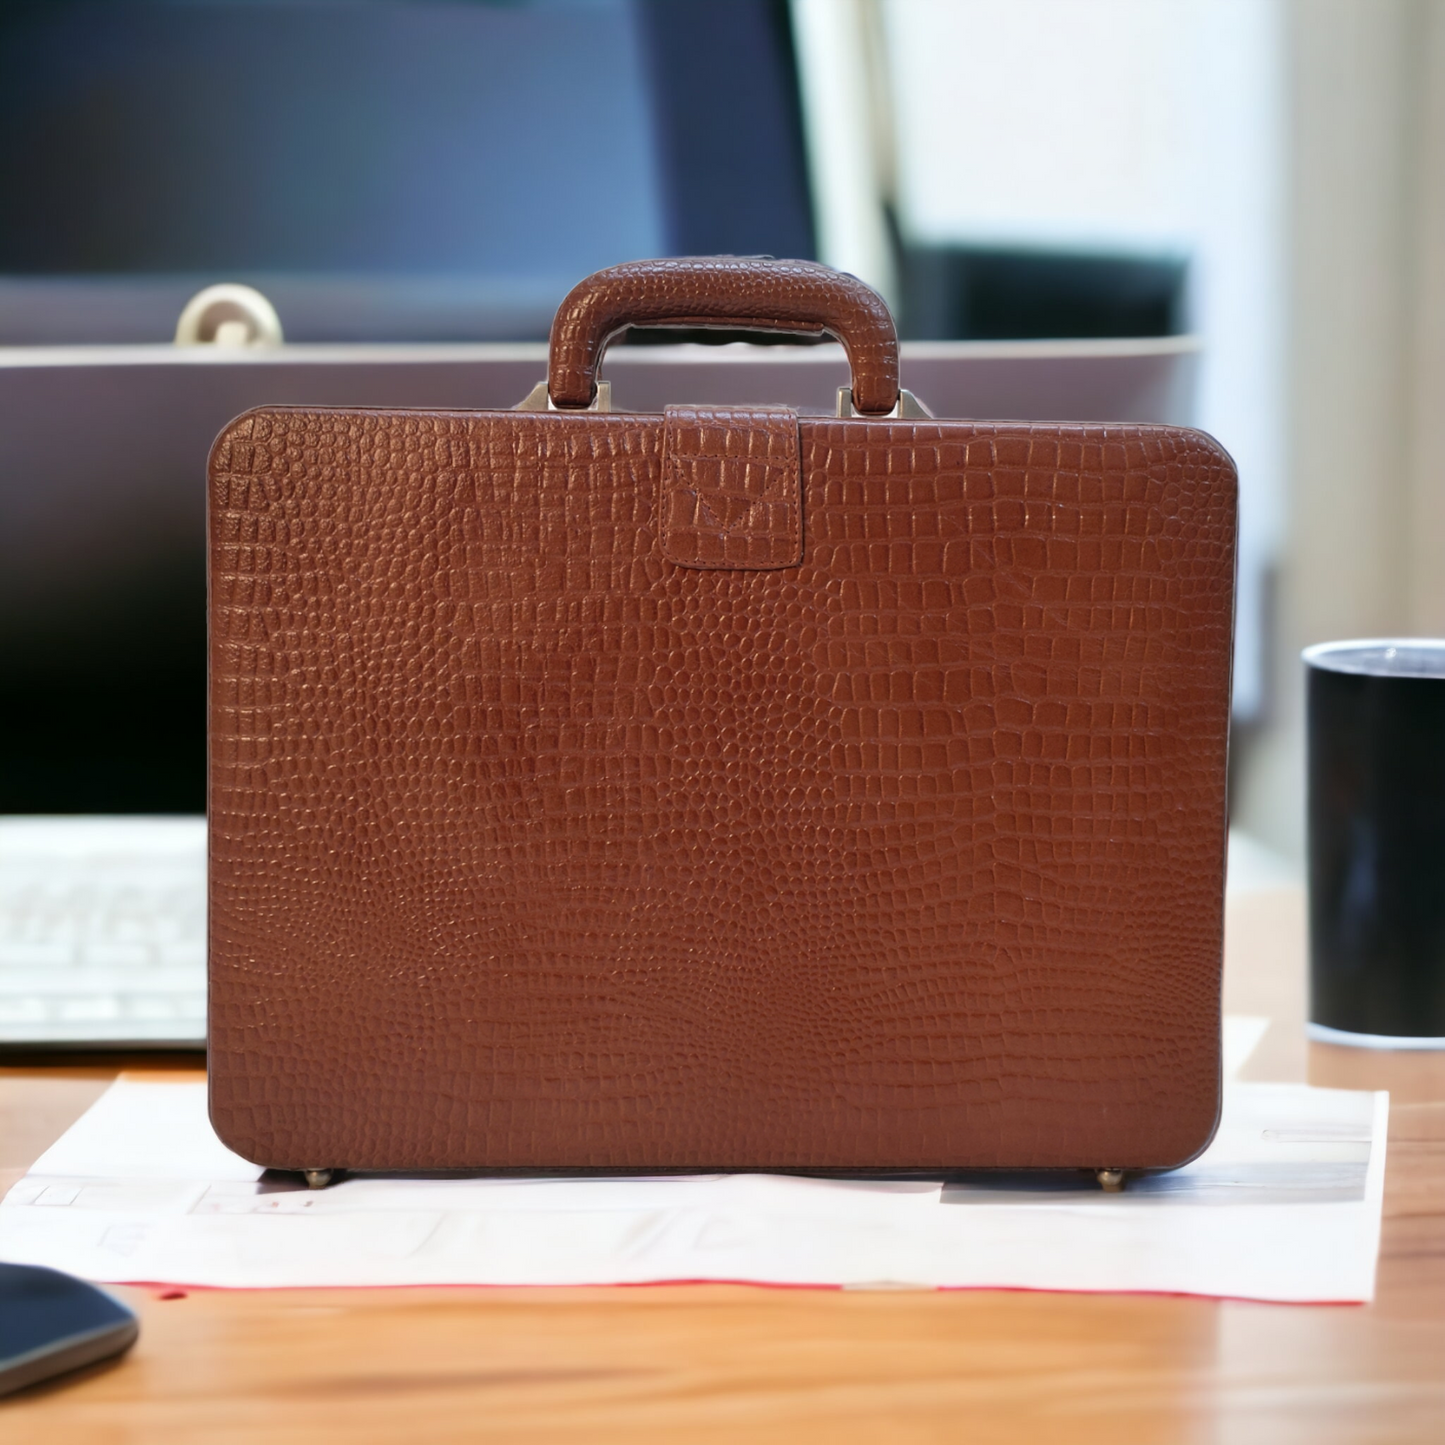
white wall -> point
(1366, 351)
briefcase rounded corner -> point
(1213, 452)
(239, 1129)
(1191, 1135)
(240, 428)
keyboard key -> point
(25, 1010)
(110, 953)
(35, 955)
(107, 1033)
(88, 1007)
(184, 953)
(152, 1006)
(80, 982)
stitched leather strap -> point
(729, 291)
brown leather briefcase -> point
(726, 789)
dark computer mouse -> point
(50, 1323)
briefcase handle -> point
(737, 292)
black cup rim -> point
(1352, 656)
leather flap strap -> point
(732, 487)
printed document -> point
(1284, 1205)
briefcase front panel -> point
(897, 843)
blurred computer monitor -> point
(409, 171)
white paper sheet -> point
(1285, 1205)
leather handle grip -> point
(729, 291)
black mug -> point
(1377, 842)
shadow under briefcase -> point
(719, 790)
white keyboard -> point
(103, 932)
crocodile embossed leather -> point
(732, 488)
(724, 790)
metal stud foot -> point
(320, 1178)
(1111, 1181)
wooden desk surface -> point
(712, 1363)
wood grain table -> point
(714, 1363)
